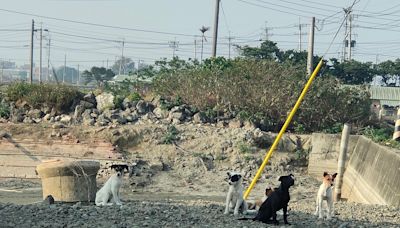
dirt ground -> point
(176, 185)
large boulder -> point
(160, 113)
(105, 101)
(35, 113)
(144, 107)
(200, 118)
(79, 109)
(91, 98)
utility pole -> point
(48, 61)
(299, 35)
(65, 68)
(79, 76)
(40, 53)
(344, 42)
(310, 53)
(31, 54)
(350, 41)
(229, 45)
(215, 37)
(2, 67)
(267, 30)
(174, 45)
(195, 48)
(106, 65)
(122, 58)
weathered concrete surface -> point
(19, 157)
(325, 153)
(69, 181)
(372, 173)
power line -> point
(95, 24)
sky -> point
(91, 32)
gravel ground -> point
(188, 213)
(177, 209)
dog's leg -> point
(316, 207)
(330, 212)
(276, 222)
(227, 202)
(239, 202)
(320, 216)
(116, 199)
(244, 207)
(285, 215)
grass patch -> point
(60, 97)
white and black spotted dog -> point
(109, 193)
(234, 197)
(325, 193)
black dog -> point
(279, 199)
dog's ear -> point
(326, 174)
(280, 178)
(240, 176)
(334, 175)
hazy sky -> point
(149, 26)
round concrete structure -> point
(69, 181)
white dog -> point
(234, 198)
(325, 193)
(110, 190)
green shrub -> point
(245, 148)
(60, 97)
(118, 100)
(168, 104)
(378, 134)
(134, 96)
(171, 135)
(4, 110)
(268, 89)
(244, 115)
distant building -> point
(9, 75)
(7, 64)
(385, 101)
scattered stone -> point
(105, 101)
(65, 119)
(58, 126)
(48, 200)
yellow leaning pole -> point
(283, 129)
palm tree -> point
(203, 29)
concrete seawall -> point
(372, 173)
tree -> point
(98, 74)
(203, 29)
(127, 66)
(352, 72)
(389, 71)
(267, 50)
(71, 74)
